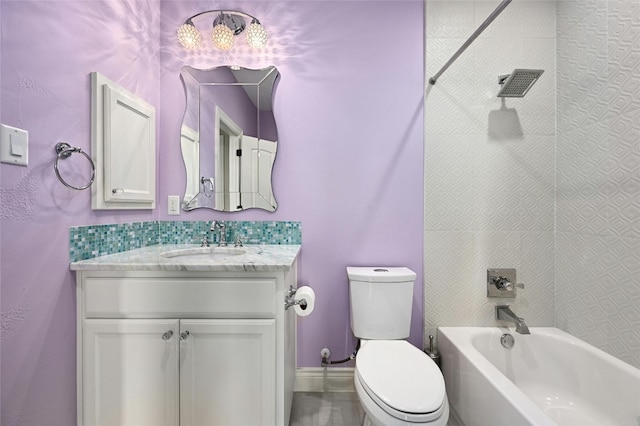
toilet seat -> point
(401, 380)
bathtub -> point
(547, 378)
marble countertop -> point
(153, 258)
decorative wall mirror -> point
(229, 138)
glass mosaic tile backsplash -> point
(86, 242)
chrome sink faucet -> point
(222, 228)
(504, 313)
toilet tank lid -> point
(380, 274)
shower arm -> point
(471, 39)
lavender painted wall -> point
(0, 225)
(48, 50)
(349, 165)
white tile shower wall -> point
(489, 165)
(598, 174)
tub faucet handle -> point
(502, 283)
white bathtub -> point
(548, 378)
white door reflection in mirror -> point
(256, 164)
(190, 142)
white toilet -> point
(397, 383)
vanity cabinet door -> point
(227, 372)
(130, 372)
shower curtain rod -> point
(470, 40)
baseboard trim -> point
(318, 379)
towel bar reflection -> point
(64, 151)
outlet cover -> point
(174, 205)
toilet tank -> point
(381, 302)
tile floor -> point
(329, 409)
(326, 408)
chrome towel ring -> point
(64, 151)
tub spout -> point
(504, 313)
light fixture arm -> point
(235, 22)
(222, 12)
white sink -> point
(203, 253)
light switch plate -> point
(14, 145)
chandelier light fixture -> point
(227, 25)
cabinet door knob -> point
(184, 335)
(167, 335)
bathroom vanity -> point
(172, 335)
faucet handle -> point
(502, 283)
(205, 241)
(238, 242)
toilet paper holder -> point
(290, 301)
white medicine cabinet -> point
(123, 143)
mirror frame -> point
(239, 176)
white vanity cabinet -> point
(184, 348)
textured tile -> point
(455, 277)
(624, 56)
(582, 180)
(251, 232)
(86, 242)
(451, 178)
(570, 13)
(535, 19)
(537, 272)
(446, 19)
(580, 262)
(489, 170)
(598, 183)
(451, 104)
(440, 49)
(450, 293)
(623, 182)
(516, 184)
(598, 292)
(477, 184)
(582, 71)
(548, 184)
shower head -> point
(518, 83)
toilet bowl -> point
(397, 384)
